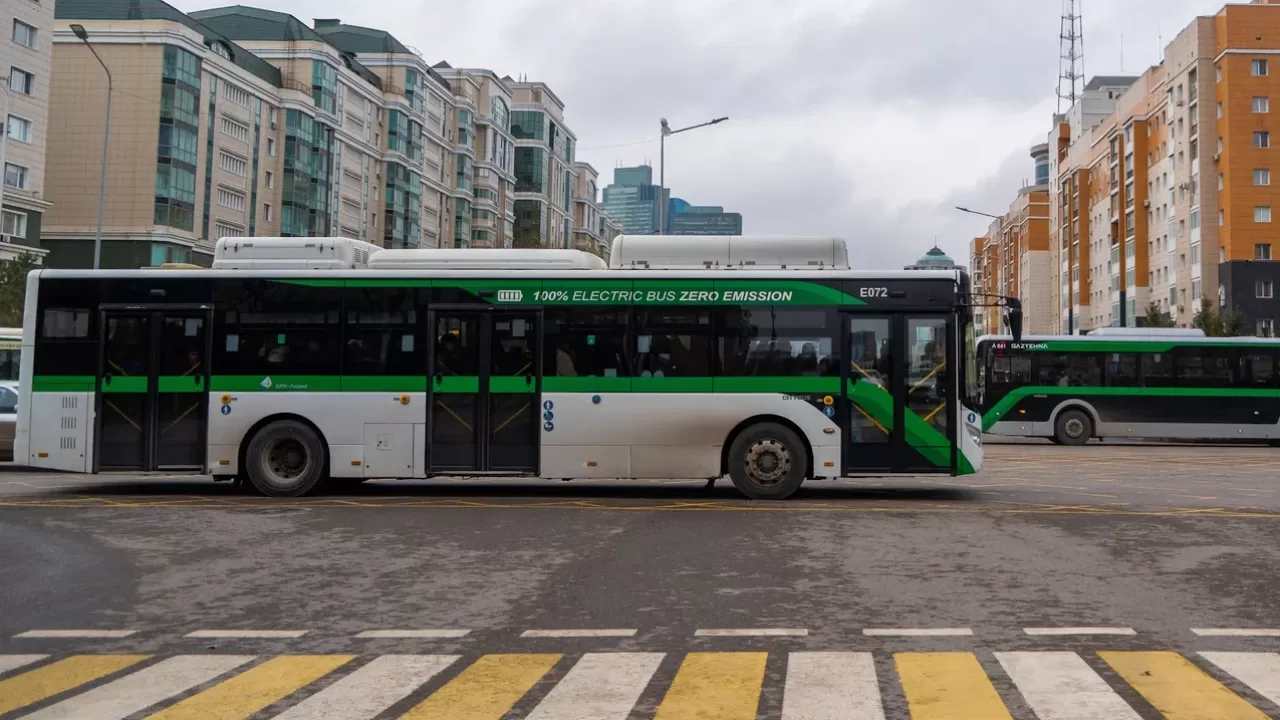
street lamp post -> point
(662, 161)
(106, 139)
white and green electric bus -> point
(297, 361)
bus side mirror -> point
(1014, 318)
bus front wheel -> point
(1074, 427)
(767, 462)
(285, 459)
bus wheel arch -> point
(771, 433)
(301, 433)
(1074, 423)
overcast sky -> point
(865, 119)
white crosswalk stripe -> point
(831, 686)
(370, 690)
(13, 662)
(1260, 671)
(1062, 686)
(140, 690)
(601, 686)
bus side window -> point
(1157, 370)
(1122, 369)
(765, 341)
(1197, 366)
(673, 342)
(1257, 370)
(1000, 370)
(585, 342)
(1021, 366)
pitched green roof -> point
(159, 10)
(255, 24)
(356, 39)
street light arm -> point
(695, 127)
(975, 212)
(98, 57)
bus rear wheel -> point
(285, 459)
(1073, 427)
(767, 462)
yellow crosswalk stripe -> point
(486, 690)
(1179, 689)
(948, 686)
(725, 686)
(42, 683)
(254, 689)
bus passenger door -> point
(453, 386)
(514, 424)
(870, 378)
(152, 404)
(928, 391)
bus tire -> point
(1073, 427)
(767, 461)
(285, 459)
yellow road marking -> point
(948, 686)
(1179, 689)
(254, 689)
(45, 682)
(725, 686)
(486, 690)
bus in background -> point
(10, 352)
(295, 361)
(1130, 382)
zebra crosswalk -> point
(1054, 685)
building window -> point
(21, 81)
(236, 94)
(234, 129)
(1264, 289)
(1262, 213)
(231, 200)
(271, 147)
(233, 164)
(1222, 217)
(1261, 104)
(19, 129)
(24, 34)
(1266, 327)
(1261, 176)
(1259, 68)
(1219, 110)
(15, 176)
(13, 223)
(222, 230)
(324, 86)
(1262, 139)
(1221, 184)
(271, 180)
(1217, 73)
(266, 213)
(1262, 251)
(1195, 219)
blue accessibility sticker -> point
(226, 409)
(830, 411)
(548, 426)
(547, 416)
(548, 405)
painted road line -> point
(264, 634)
(372, 689)
(948, 686)
(577, 633)
(1178, 688)
(138, 691)
(44, 682)
(917, 632)
(414, 634)
(831, 686)
(751, 632)
(85, 634)
(1236, 632)
(1062, 686)
(1080, 631)
(1260, 671)
(486, 690)
(601, 686)
(254, 689)
(725, 686)
(13, 662)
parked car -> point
(8, 418)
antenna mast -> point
(1071, 57)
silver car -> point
(8, 418)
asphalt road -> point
(1109, 548)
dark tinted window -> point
(1157, 369)
(381, 333)
(1204, 366)
(773, 341)
(277, 328)
(586, 342)
(1122, 369)
(1011, 369)
(672, 342)
(67, 328)
(1257, 369)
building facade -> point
(544, 176)
(27, 53)
(686, 219)
(632, 199)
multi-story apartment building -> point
(609, 229)
(586, 209)
(27, 52)
(544, 158)
(484, 157)
(1164, 202)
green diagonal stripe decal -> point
(925, 438)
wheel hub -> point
(768, 462)
(1074, 427)
(287, 459)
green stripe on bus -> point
(672, 384)
(1010, 400)
(768, 384)
(64, 383)
(180, 383)
(512, 385)
(919, 434)
(384, 383)
(125, 384)
(586, 384)
(456, 384)
(275, 383)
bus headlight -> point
(975, 434)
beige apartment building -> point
(27, 53)
(544, 157)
